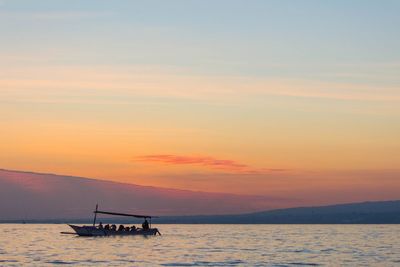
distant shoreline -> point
(383, 212)
(165, 223)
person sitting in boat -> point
(107, 227)
(145, 225)
(113, 227)
(100, 225)
(121, 228)
(133, 228)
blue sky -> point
(291, 39)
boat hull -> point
(94, 231)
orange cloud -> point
(206, 161)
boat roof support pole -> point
(95, 215)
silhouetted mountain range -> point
(37, 196)
(382, 212)
(34, 197)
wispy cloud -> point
(173, 83)
(206, 161)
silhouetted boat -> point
(93, 230)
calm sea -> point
(206, 245)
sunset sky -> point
(274, 98)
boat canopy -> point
(124, 214)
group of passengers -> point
(122, 228)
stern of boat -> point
(87, 230)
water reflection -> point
(206, 245)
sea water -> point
(205, 245)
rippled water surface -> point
(206, 245)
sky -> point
(296, 99)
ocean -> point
(205, 245)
